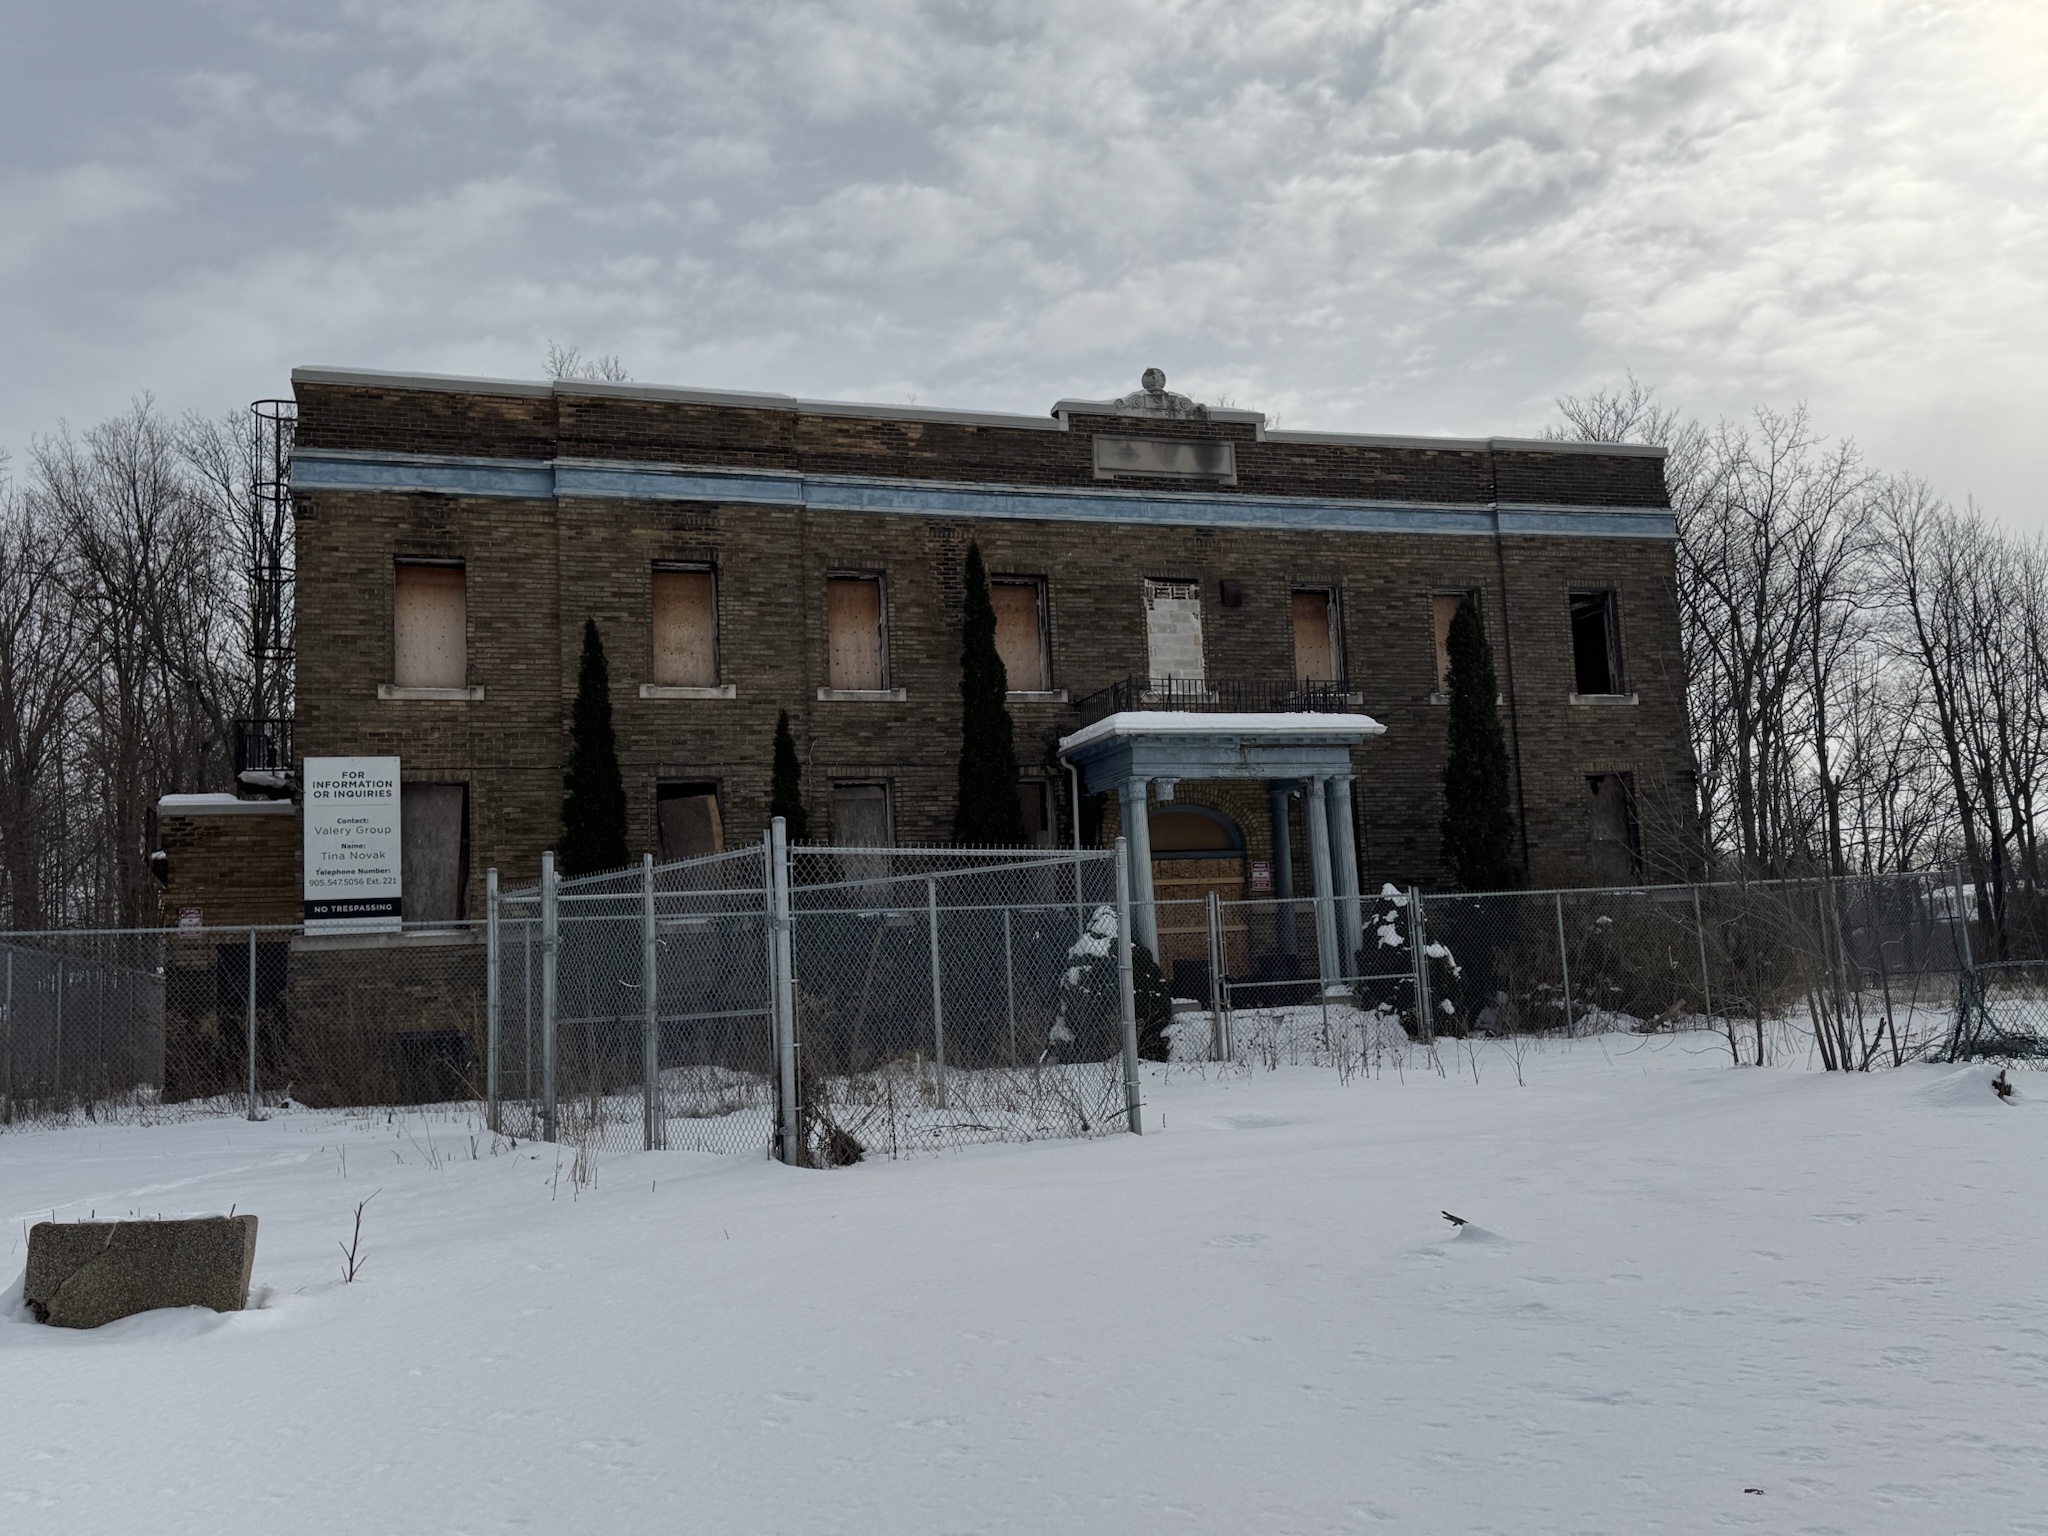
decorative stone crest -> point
(1155, 399)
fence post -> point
(1966, 984)
(1564, 964)
(549, 935)
(1010, 984)
(1418, 938)
(1216, 1048)
(1699, 928)
(57, 1035)
(650, 1028)
(493, 1000)
(7, 1062)
(782, 952)
(252, 1023)
(931, 907)
(1127, 988)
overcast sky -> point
(1370, 216)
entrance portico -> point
(1134, 749)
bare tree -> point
(570, 363)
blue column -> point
(1138, 833)
(1344, 845)
(1277, 791)
(1323, 885)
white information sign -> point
(352, 845)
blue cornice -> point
(322, 469)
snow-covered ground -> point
(1680, 1282)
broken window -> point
(855, 656)
(433, 850)
(1596, 643)
(1614, 834)
(430, 649)
(1173, 636)
(1442, 609)
(685, 628)
(1020, 632)
(686, 820)
(1315, 637)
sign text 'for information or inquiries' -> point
(352, 845)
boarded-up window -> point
(430, 650)
(853, 632)
(1173, 635)
(1442, 609)
(860, 815)
(685, 629)
(1020, 634)
(1315, 638)
(433, 850)
(1596, 643)
(686, 819)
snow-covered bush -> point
(1088, 1022)
(1385, 966)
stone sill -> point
(863, 695)
(1606, 698)
(403, 693)
(668, 691)
(228, 808)
(1039, 696)
(1500, 699)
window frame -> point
(881, 584)
(1617, 670)
(1333, 621)
(396, 688)
(1038, 586)
(1440, 651)
(685, 568)
(888, 810)
(1631, 815)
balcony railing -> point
(1211, 697)
(263, 747)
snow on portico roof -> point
(1193, 722)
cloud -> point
(1426, 216)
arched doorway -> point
(1194, 851)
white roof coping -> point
(451, 383)
(222, 805)
(1194, 722)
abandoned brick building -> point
(744, 554)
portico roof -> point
(1194, 744)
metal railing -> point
(1209, 696)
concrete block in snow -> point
(85, 1273)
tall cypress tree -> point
(1479, 824)
(988, 814)
(786, 788)
(593, 793)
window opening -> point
(1315, 637)
(433, 850)
(1442, 609)
(685, 628)
(1596, 643)
(1020, 632)
(1035, 802)
(686, 819)
(1173, 636)
(855, 656)
(1616, 832)
(430, 649)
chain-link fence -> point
(829, 1004)
(825, 1004)
(1862, 971)
(168, 1023)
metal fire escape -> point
(264, 764)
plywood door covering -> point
(1315, 640)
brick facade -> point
(538, 566)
